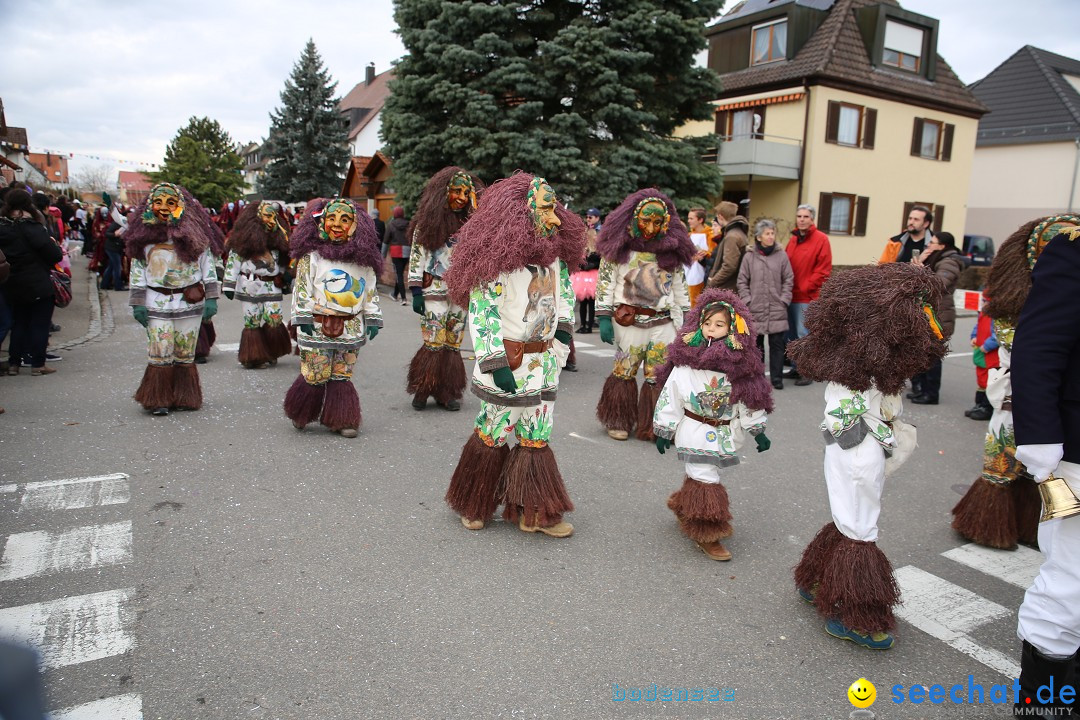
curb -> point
(101, 318)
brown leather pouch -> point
(515, 351)
(279, 281)
(427, 280)
(624, 315)
(332, 325)
(194, 293)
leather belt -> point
(528, 347)
(715, 422)
(169, 291)
(647, 312)
(1006, 404)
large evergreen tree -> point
(586, 93)
(204, 159)
(307, 148)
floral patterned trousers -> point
(442, 325)
(321, 366)
(532, 425)
(172, 341)
(634, 346)
(261, 314)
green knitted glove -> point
(504, 380)
(372, 331)
(662, 444)
(607, 331)
(763, 442)
(418, 304)
(209, 308)
(229, 294)
(141, 314)
(563, 336)
(307, 328)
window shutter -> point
(870, 128)
(939, 217)
(832, 122)
(824, 209)
(916, 140)
(946, 143)
(862, 207)
(721, 124)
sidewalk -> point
(89, 315)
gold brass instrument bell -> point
(1058, 499)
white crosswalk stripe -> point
(1017, 567)
(38, 553)
(121, 707)
(72, 493)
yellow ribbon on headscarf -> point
(932, 318)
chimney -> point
(370, 76)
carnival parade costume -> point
(641, 286)
(871, 328)
(714, 393)
(437, 369)
(335, 311)
(511, 270)
(173, 288)
(1002, 506)
(255, 274)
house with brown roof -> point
(13, 151)
(133, 187)
(846, 105)
(52, 167)
(369, 170)
(1032, 132)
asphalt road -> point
(271, 573)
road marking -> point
(121, 707)
(582, 437)
(948, 612)
(227, 347)
(39, 553)
(598, 353)
(72, 630)
(72, 493)
(582, 343)
(1017, 567)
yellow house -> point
(845, 105)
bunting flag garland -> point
(70, 155)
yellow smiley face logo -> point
(862, 693)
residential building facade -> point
(369, 172)
(846, 105)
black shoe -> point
(915, 392)
(791, 374)
(453, 405)
(54, 328)
(925, 399)
(419, 402)
(967, 413)
(160, 411)
(584, 330)
(981, 413)
(200, 359)
(803, 382)
(570, 367)
(778, 383)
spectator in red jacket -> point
(811, 261)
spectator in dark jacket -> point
(28, 291)
(727, 256)
(113, 279)
(397, 242)
(941, 256)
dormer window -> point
(769, 42)
(903, 46)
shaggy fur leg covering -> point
(452, 378)
(816, 555)
(646, 405)
(303, 401)
(342, 407)
(987, 515)
(857, 587)
(253, 350)
(617, 408)
(703, 510)
(534, 487)
(187, 391)
(276, 339)
(474, 486)
(156, 388)
(1027, 505)
(207, 337)
(424, 372)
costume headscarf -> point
(434, 222)
(191, 234)
(363, 248)
(872, 326)
(502, 236)
(251, 238)
(736, 355)
(619, 235)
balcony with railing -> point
(759, 156)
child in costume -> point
(335, 311)
(173, 288)
(871, 328)
(511, 269)
(255, 274)
(985, 356)
(642, 287)
(714, 393)
(437, 369)
(1002, 507)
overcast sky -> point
(115, 79)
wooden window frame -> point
(772, 42)
(725, 121)
(943, 151)
(867, 131)
(899, 64)
(860, 208)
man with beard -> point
(437, 369)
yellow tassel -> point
(934, 325)
(740, 325)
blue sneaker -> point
(873, 641)
(806, 595)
